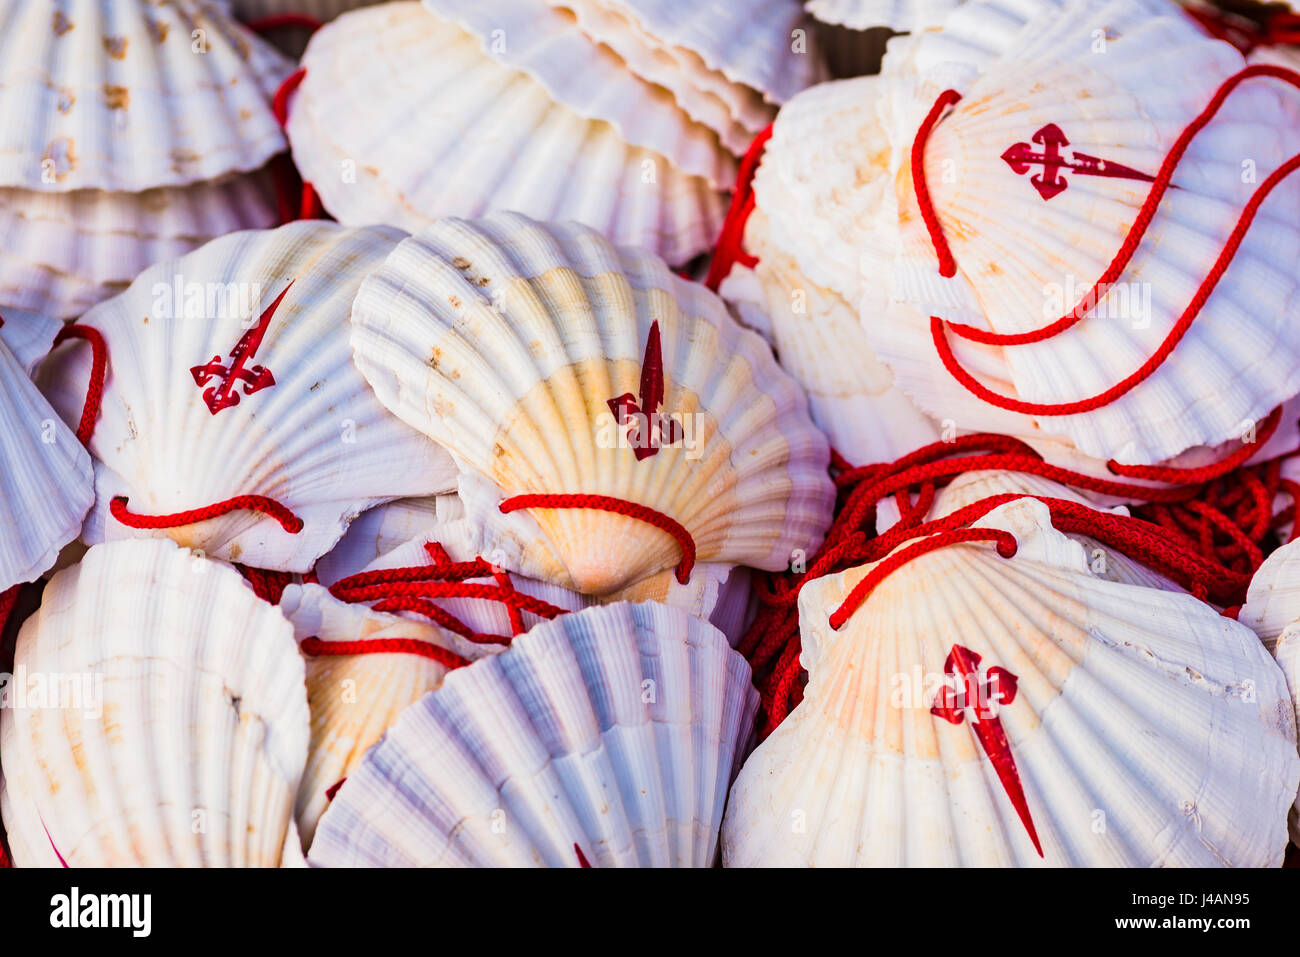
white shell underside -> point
(191, 733)
(1146, 729)
(901, 15)
(615, 730)
(99, 94)
(403, 119)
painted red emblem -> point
(1022, 157)
(224, 395)
(647, 428)
(981, 695)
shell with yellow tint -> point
(158, 718)
(229, 374)
(395, 535)
(99, 94)
(608, 736)
(354, 699)
(1112, 85)
(550, 362)
(977, 709)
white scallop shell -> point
(99, 94)
(395, 535)
(67, 251)
(901, 15)
(1020, 256)
(46, 486)
(1139, 708)
(188, 739)
(403, 119)
(315, 440)
(614, 731)
(590, 79)
(734, 111)
(354, 699)
(766, 45)
(819, 341)
(511, 342)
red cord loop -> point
(98, 372)
(1161, 183)
(618, 506)
(730, 248)
(290, 522)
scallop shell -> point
(1025, 258)
(590, 79)
(68, 251)
(819, 341)
(99, 94)
(46, 486)
(1134, 726)
(900, 15)
(189, 736)
(396, 535)
(378, 145)
(608, 736)
(354, 699)
(180, 431)
(521, 347)
(766, 45)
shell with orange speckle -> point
(158, 718)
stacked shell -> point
(407, 114)
(133, 133)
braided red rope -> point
(290, 522)
(8, 598)
(618, 506)
(386, 646)
(730, 247)
(98, 372)
(281, 21)
(309, 204)
(267, 584)
(1161, 183)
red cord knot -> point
(1132, 240)
(98, 372)
(730, 247)
(384, 646)
(1006, 546)
(290, 522)
(618, 506)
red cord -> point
(1204, 473)
(267, 584)
(290, 522)
(309, 204)
(98, 372)
(282, 20)
(618, 506)
(730, 248)
(8, 598)
(386, 646)
(1162, 182)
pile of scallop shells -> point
(649, 433)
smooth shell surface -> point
(164, 718)
(533, 351)
(611, 734)
(198, 410)
(1137, 726)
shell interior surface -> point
(979, 710)
(188, 738)
(230, 375)
(609, 735)
(551, 362)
